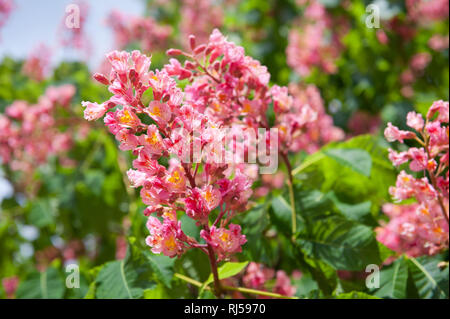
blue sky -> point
(33, 22)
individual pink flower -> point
(165, 237)
(224, 241)
(415, 121)
(93, 111)
(392, 134)
(443, 111)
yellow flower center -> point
(126, 118)
(175, 178)
(156, 111)
(153, 139)
(224, 237)
(247, 108)
(170, 243)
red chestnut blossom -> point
(179, 129)
(225, 241)
(420, 228)
(414, 229)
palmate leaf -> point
(340, 243)
(337, 167)
(127, 278)
(429, 279)
(357, 159)
(393, 280)
(42, 285)
(162, 267)
(355, 295)
(330, 236)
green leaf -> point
(42, 285)
(327, 175)
(91, 291)
(43, 213)
(355, 212)
(393, 280)
(281, 214)
(355, 295)
(340, 243)
(430, 281)
(227, 270)
(162, 266)
(127, 278)
(357, 159)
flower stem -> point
(213, 263)
(434, 182)
(258, 292)
(290, 184)
(240, 289)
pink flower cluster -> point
(29, 133)
(198, 187)
(200, 17)
(146, 31)
(422, 227)
(37, 65)
(412, 229)
(315, 40)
